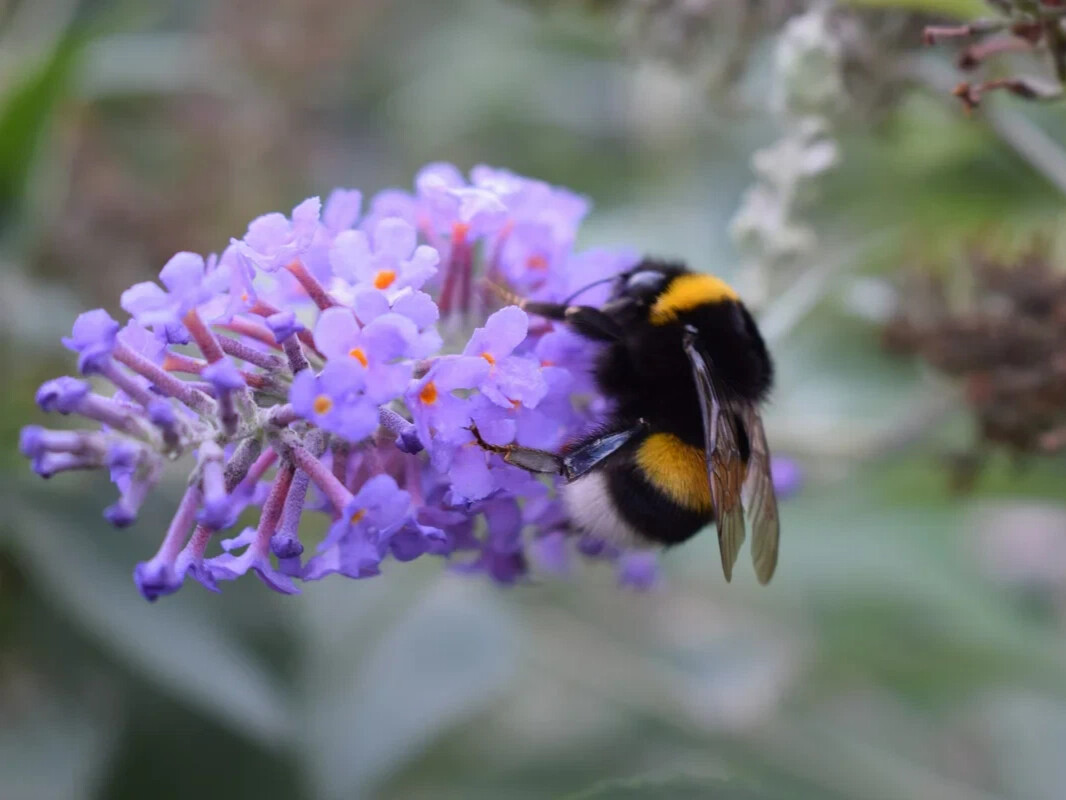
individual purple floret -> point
(302, 371)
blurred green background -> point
(912, 642)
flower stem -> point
(310, 283)
(238, 349)
(164, 381)
(322, 477)
(272, 508)
(202, 335)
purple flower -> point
(452, 206)
(638, 569)
(274, 240)
(223, 376)
(373, 349)
(510, 379)
(93, 339)
(188, 286)
(389, 262)
(342, 210)
(255, 558)
(358, 540)
(787, 476)
(283, 325)
(336, 400)
(439, 414)
(311, 375)
(62, 394)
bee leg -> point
(571, 466)
(591, 452)
(540, 461)
(590, 322)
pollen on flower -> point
(489, 357)
(357, 516)
(459, 231)
(359, 355)
(537, 262)
(384, 278)
(322, 404)
(428, 395)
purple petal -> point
(223, 375)
(394, 238)
(638, 569)
(342, 209)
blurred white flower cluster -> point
(807, 88)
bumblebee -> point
(686, 370)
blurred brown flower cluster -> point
(1006, 340)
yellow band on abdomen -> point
(676, 469)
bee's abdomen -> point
(662, 490)
(676, 469)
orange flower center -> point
(428, 395)
(384, 279)
(488, 357)
(358, 515)
(358, 354)
(537, 262)
(322, 404)
(459, 231)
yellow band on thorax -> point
(676, 469)
(686, 292)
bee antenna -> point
(585, 288)
(503, 293)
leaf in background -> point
(680, 788)
(453, 652)
(188, 654)
(25, 112)
(61, 752)
(962, 9)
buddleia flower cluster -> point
(304, 371)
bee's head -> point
(672, 299)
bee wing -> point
(760, 499)
(725, 467)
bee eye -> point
(643, 283)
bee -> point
(686, 371)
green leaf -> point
(59, 752)
(448, 656)
(178, 647)
(962, 9)
(681, 787)
(25, 113)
